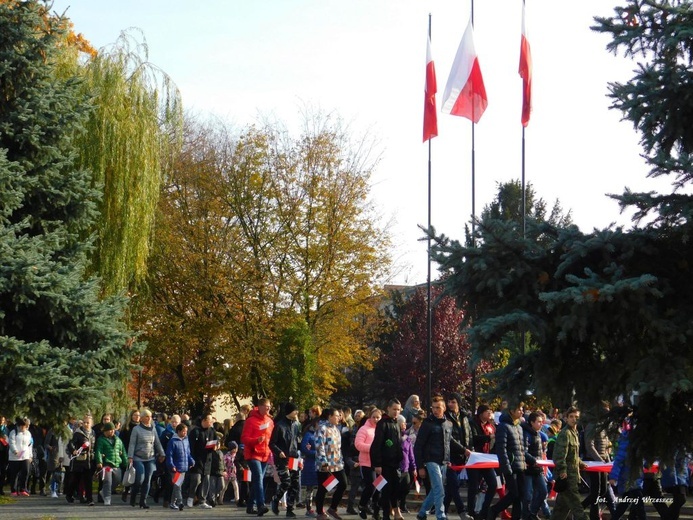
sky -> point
(364, 60)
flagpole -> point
(473, 372)
(524, 194)
(429, 320)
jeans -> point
(535, 494)
(452, 491)
(144, 469)
(257, 469)
(436, 496)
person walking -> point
(567, 462)
(111, 460)
(330, 464)
(284, 445)
(386, 456)
(257, 432)
(143, 449)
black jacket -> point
(509, 447)
(386, 450)
(434, 442)
(531, 441)
(85, 460)
(461, 432)
(198, 439)
(284, 439)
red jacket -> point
(256, 426)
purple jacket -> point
(408, 463)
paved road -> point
(45, 508)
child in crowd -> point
(178, 461)
(230, 463)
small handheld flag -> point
(247, 475)
(211, 445)
(417, 486)
(379, 483)
(330, 483)
(105, 471)
(294, 463)
(178, 479)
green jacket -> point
(566, 453)
(111, 452)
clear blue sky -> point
(365, 60)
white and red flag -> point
(294, 463)
(430, 121)
(247, 475)
(178, 478)
(330, 483)
(465, 93)
(105, 471)
(379, 483)
(211, 444)
(525, 71)
(482, 461)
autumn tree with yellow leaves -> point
(267, 259)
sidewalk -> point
(46, 508)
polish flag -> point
(85, 445)
(247, 475)
(430, 123)
(294, 463)
(525, 72)
(106, 470)
(482, 461)
(3, 441)
(211, 445)
(545, 463)
(599, 467)
(330, 483)
(465, 94)
(379, 483)
(178, 479)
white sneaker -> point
(190, 502)
(204, 505)
(54, 494)
(107, 501)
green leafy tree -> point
(62, 349)
(608, 311)
(295, 377)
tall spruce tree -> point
(62, 349)
(609, 312)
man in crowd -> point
(386, 455)
(257, 432)
(284, 445)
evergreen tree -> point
(609, 312)
(62, 350)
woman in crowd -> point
(20, 445)
(143, 448)
(363, 441)
(329, 463)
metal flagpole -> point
(473, 374)
(429, 321)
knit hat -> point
(289, 408)
(233, 445)
(109, 426)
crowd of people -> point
(293, 460)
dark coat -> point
(284, 440)
(509, 447)
(386, 450)
(309, 475)
(483, 436)
(85, 461)
(433, 442)
(532, 446)
(198, 439)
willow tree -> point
(136, 116)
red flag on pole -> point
(465, 93)
(525, 72)
(430, 124)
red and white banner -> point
(379, 483)
(330, 483)
(599, 467)
(545, 463)
(178, 479)
(481, 461)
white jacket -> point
(21, 445)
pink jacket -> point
(363, 441)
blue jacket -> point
(309, 475)
(676, 475)
(178, 455)
(620, 471)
